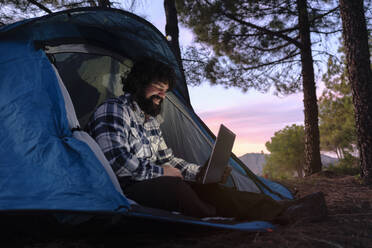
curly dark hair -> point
(146, 71)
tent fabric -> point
(276, 187)
(42, 165)
(245, 226)
(45, 165)
(117, 30)
(83, 136)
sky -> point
(254, 117)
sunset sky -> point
(254, 117)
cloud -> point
(254, 124)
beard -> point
(148, 106)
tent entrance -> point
(91, 74)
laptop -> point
(219, 157)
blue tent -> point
(54, 71)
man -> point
(127, 130)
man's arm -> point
(110, 128)
(188, 170)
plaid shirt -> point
(133, 146)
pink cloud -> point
(254, 125)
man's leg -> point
(241, 205)
(168, 193)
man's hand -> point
(171, 171)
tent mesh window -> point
(90, 79)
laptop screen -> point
(220, 156)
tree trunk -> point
(312, 151)
(360, 76)
(104, 3)
(171, 28)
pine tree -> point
(259, 44)
(355, 35)
(336, 113)
(286, 152)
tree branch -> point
(323, 15)
(265, 30)
(194, 60)
(312, 22)
(324, 32)
(77, 4)
(282, 60)
(269, 49)
(259, 28)
(92, 3)
(319, 52)
(40, 6)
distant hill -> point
(255, 161)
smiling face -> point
(152, 98)
(147, 82)
(156, 92)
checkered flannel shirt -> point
(134, 147)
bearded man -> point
(127, 129)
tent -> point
(54, 71)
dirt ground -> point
(349, 224)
